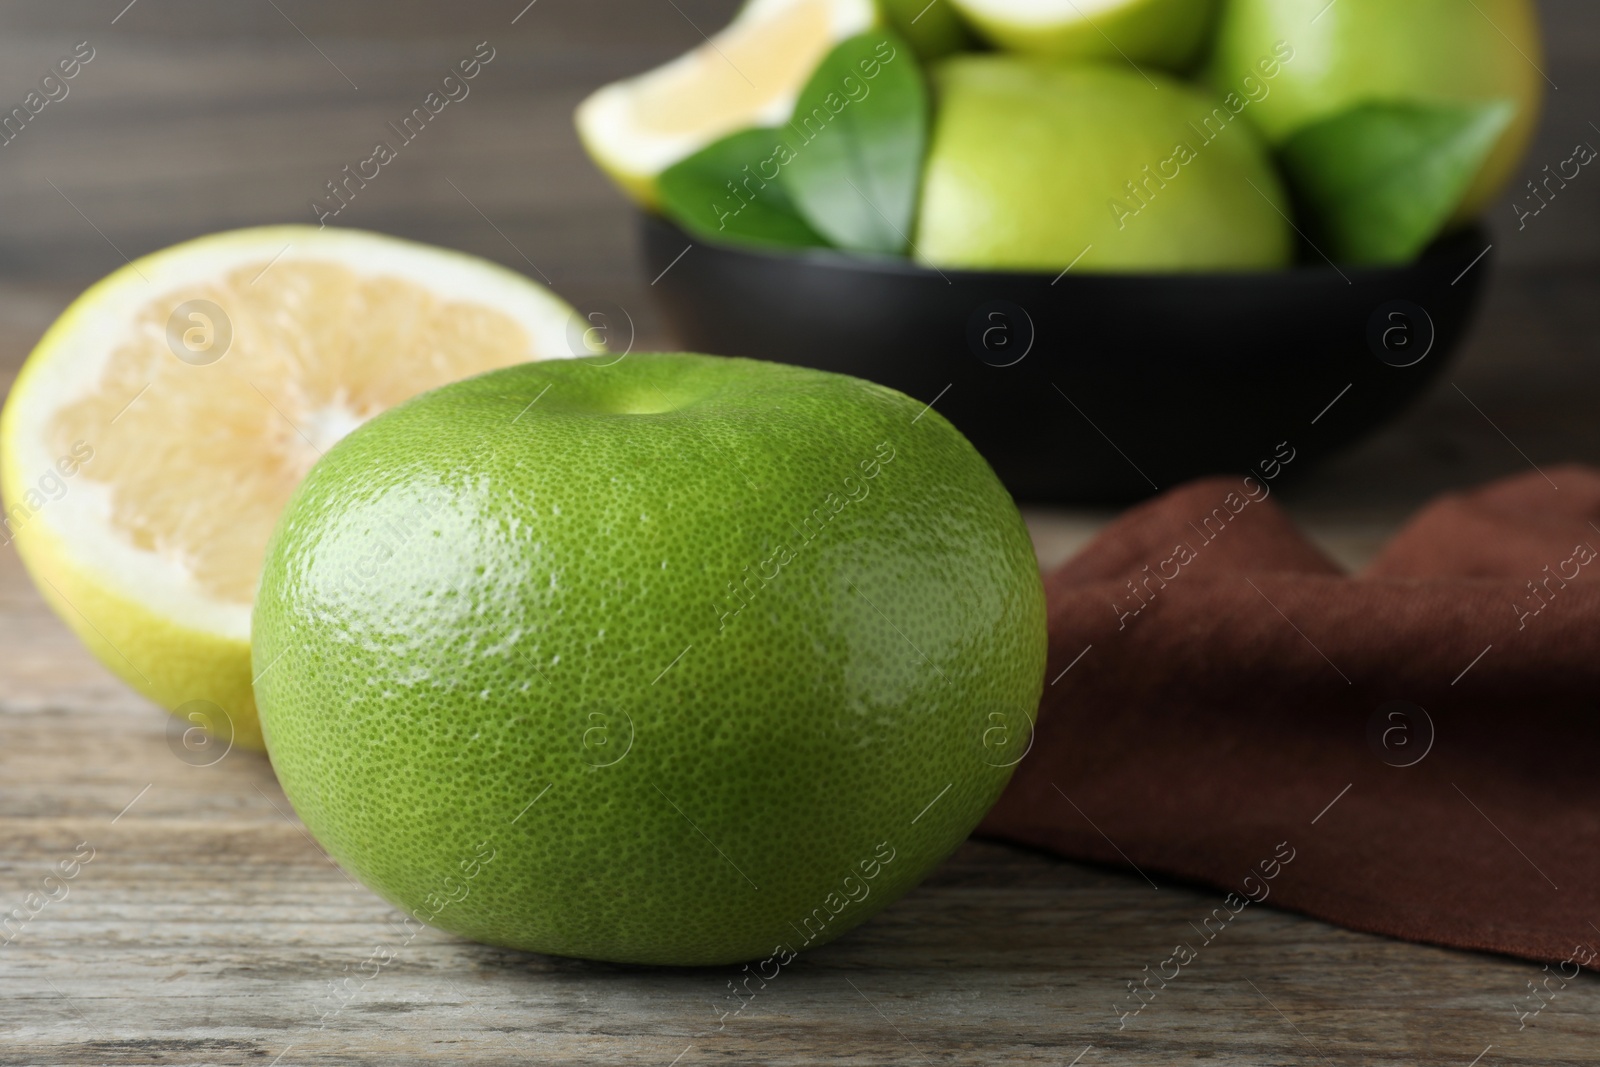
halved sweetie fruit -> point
(746, 75)
(156, 432)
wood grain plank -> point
(208, 929)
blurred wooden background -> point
(196, 116)
(209, 928)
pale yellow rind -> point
(748, 74)
(170, 644)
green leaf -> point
(729, 191)
(1382, 179)
(932, 26)
(859, 131)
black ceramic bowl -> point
(1094, 387)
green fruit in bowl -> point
(674, 659)
(1166, 33)
(1362, 52)
(1037, 165)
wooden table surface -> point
(209, 929)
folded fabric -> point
(1409, 751)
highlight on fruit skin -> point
(695, 660)
(1165, 33)
(745, 75)
(1358, 53)
(156, 430)
(1116, 175)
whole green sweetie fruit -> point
(676, 659)
(1036, 164)
(1358, 52)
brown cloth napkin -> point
(1422, 738)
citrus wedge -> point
(157, 430)
(1165, 33)
(746, 75)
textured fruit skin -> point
(1359, 51)
(1167, 33)
(511, 591)
(1028, 157)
